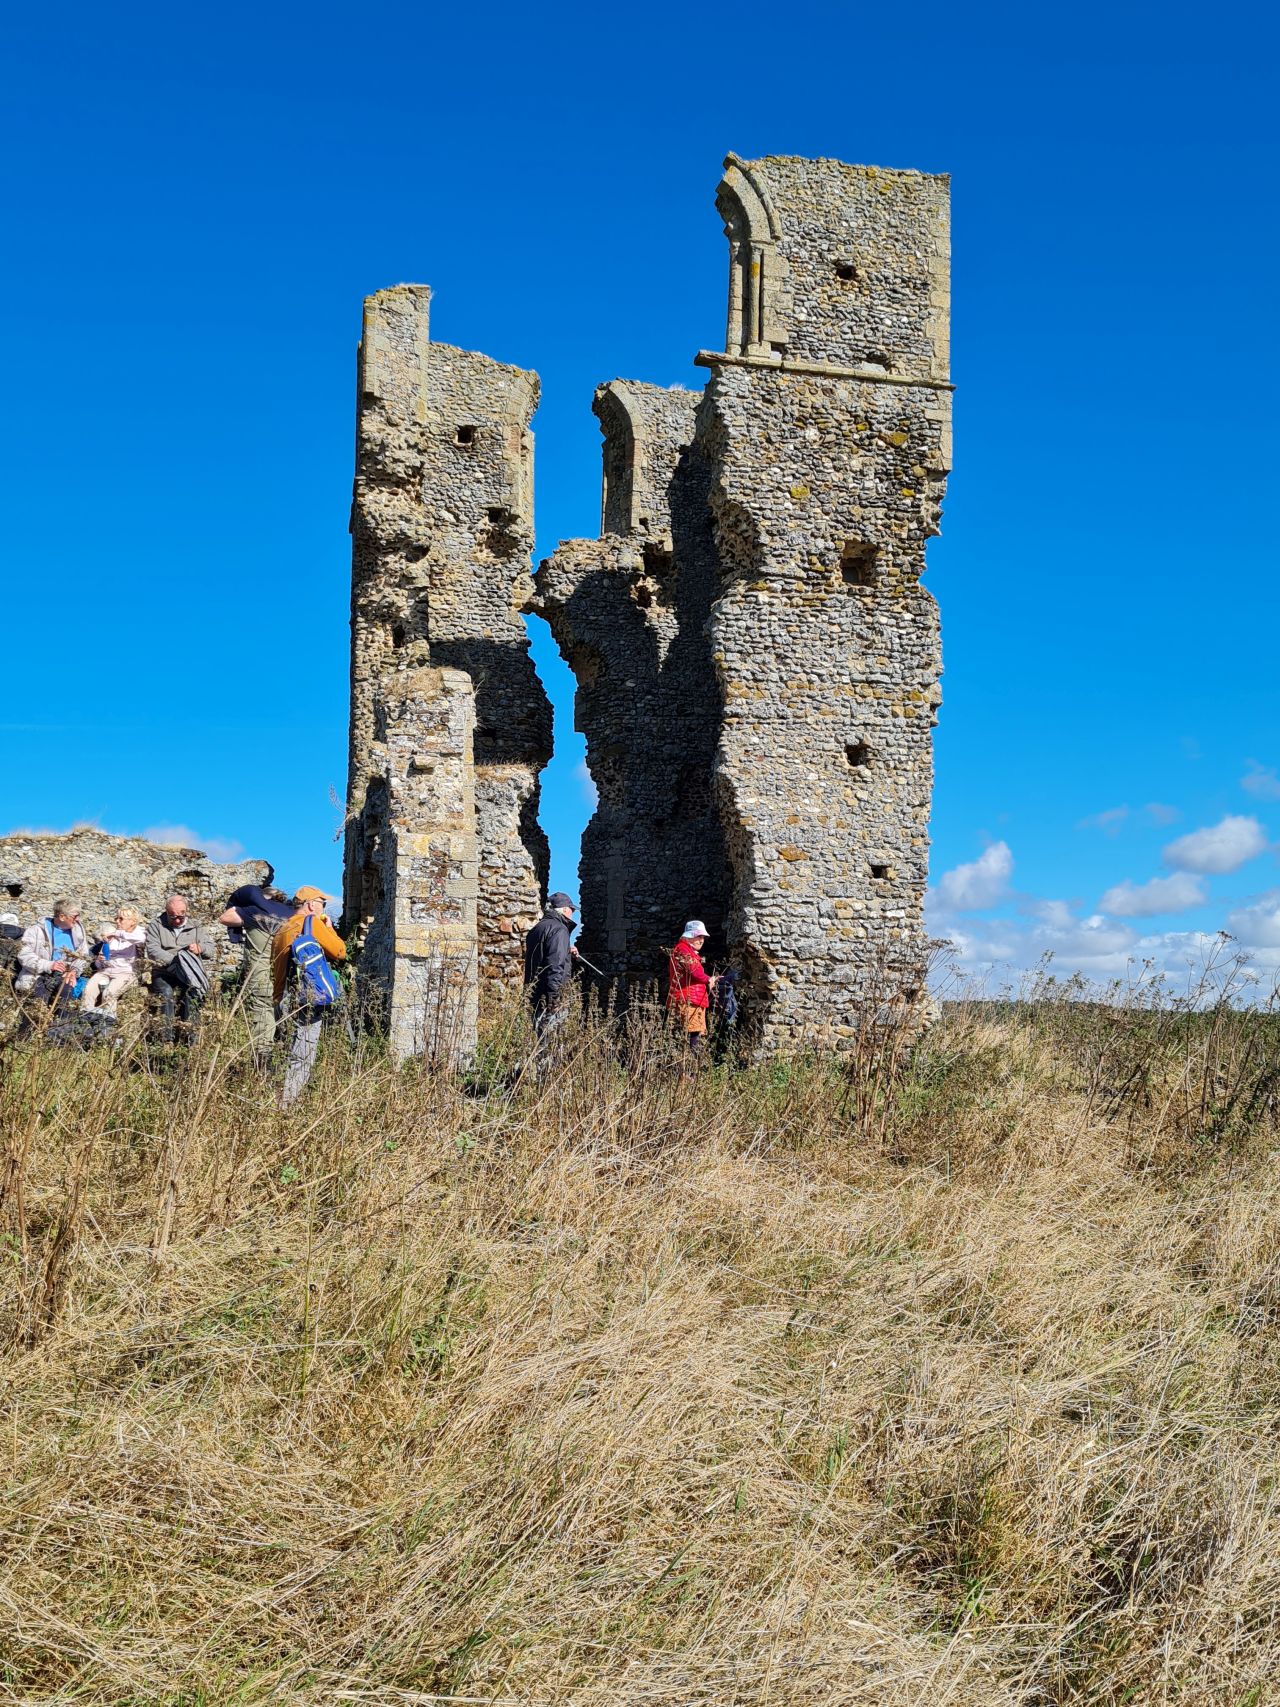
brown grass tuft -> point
(953, 1384)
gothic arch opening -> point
(758, 305)
(619, 454)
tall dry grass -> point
(952, 1383)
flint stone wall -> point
(829, 453)
(629, 612)
(757, 662)
(795, 733)
(442, 529)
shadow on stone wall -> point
(629, 614)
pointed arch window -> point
(758, 299)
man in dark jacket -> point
(548, 960)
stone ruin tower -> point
(445, 861)
(757, 661)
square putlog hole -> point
(858, 563)
(464, 436)
(858, 754)
(882, 873)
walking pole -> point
(583, 961)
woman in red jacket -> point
(688, 986)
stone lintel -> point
(820, 370)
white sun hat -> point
(695, 927)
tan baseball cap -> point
(309, 892)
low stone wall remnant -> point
(98, 872)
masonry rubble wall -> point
(757, 661)
(783, 680)
(629, 613)
(99, 872)
(442, 529)
(418, 852)
(828, 453)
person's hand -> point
(573, 951)
(195, 948)
(69, 976)
(715, 979)
(57, 965)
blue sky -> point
(198, 202)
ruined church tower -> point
(445, 863)
(757, 661)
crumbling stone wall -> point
(783, 679)
(757, 661)
(100, 872)
(629, 612)
(442, 529)
(829, 453)
(415, 846)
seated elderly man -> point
(181, 955)
(53, 955)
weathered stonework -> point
(758, 714)
(442, 528)
(415, 847)
(829, 452)
(100, 872)
(757, 662)
(629, 612)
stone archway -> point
(758, 301)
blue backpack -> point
(317, 979)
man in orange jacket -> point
(309, 903)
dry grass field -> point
(943, 1380)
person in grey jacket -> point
(54, 952)
(179, 952)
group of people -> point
(549, 957)
(289, 946)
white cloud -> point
(1097, 946)
(980, 883)
(1109, 822)
(1159, 813)
(1261, 781)
(183, 836)
(590, 792)
(1059, 914)
(1218, 848)
(995, 956)
(1257, 926)
(1159, 895)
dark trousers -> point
(48, 991)
(174, 1000)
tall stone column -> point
(442, 529)
(420, 863)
